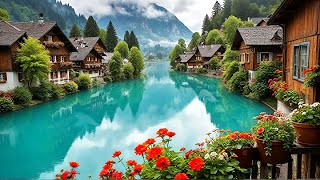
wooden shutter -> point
(271, 56)
(258, 57)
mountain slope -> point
(153, 24)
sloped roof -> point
(84, 47)
(34, 29)
(9, 34)
(256, 20)
(208, 51)
(187, 56)
(255, 36)
(285, 11)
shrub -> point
(232, 68)
(107, 79)
(73, 74)
(238, 81)
(22, 96)
(96, 82)
(181, 67)
(57, 91)
(128, 70)
(201, 71)
(70, 87)
(43, 92)
(230, 56)
(84, 81)
(214, 63)
(266, 71)
(6, 104)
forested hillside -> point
(28, 10)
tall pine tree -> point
(75, 31)
(133, 41)
(206, 26)
(91, 29)
(227, 5)
(126, 37)
(216, 9)
(111, 39)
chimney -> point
(41, 20)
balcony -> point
(51, 44)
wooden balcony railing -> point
(302, 164)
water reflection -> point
(89, 126)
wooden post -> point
(264, 171)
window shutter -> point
(258, 57)
(271, 56)
(5, 76)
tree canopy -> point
(115, 66)
(122, 48)
(182, 44)
(91, 28)
(174, 53)
(34, 60)
(133, 41)
(136, 59)
(4, 15)
(195, 41)
(214, 37)
(111, 38)
(75, 31)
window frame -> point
(4, 77)
(247, 58)
(299, 67)
(259, 60)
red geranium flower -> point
(260, 130)
(133, 173)
(65, 175)
(182, 149)
(196, 164)
(233, 136)
(116, 154)
(116, 175)
(171, 134)
(131, 162)
(150, 141)
(187, 154)
(6, 95)
(138, 168)
(181, 176)
(244, 135)
(140, 149)
(162, 132)
(162, 162)
(154, 152)
(74, 164)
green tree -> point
(174, 53)
(128, 70)
(133, 40)
(34, 59)
(115, 66)
(227, 5)
(216, 9)
(135, 57)
(230, 55)
(91, 28)
(126, 37)
(111, 38)
(214, 37)
(103, 35)
(75, 31)
(4, 15)
(182, 44)
(122, 48)
(84, 81)
(195, 41)
(230, 27)
(214, 63)
(206, 25)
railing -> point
(302, 164)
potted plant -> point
(238, 144)
(306, 121)
(274, 137)
(312, 76)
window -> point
(50, 38)
(20, 77)
(54, 75)
(264, 56)
(243, 57)
(89, 58)
(62, 58)
(3, 77)
(300, 59)
(248, 58)
(63, 74)
(54, 59)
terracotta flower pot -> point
(245, 156)
(278, 155)
(308, 135)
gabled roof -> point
(187, 56)
(208, 51)
(9, 34)
(255, 36)
(38, 30)
(262, 20)
(285, 11)
(84, 47)
(256, 20)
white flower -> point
(207, 156)
(225, 154)
(221, 157)
(304, 113)
(315, 104)
(300, 103)
(213, 154)
(275, 129)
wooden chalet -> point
(10, 73)
(257, 44)
(301, 23)
(56, 42)
(260, 21)
(91, 53)
(188, 59)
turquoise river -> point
(36, 143)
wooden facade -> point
(301, 23)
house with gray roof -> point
(258, 44)
(88, 59)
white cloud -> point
(190, 12)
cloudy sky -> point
(190, 12)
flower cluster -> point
(6, 95)
(68, 174)
(308, 114)
(282, 92)
(274, 128)
(312, 76)
(108, 172)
